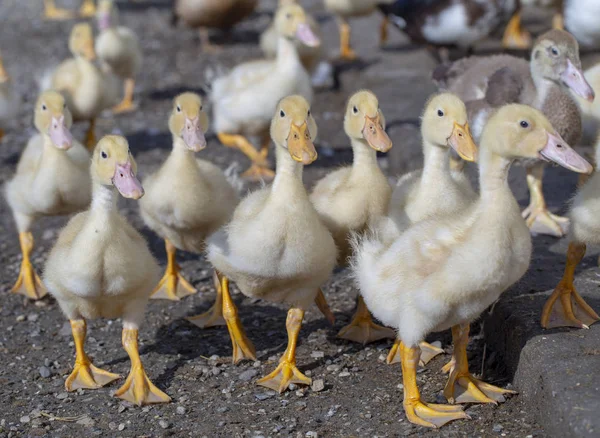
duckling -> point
(52, 178)
(206, 14)
(87, 89)
(119, 51)
(310, 56)
(343, 10)
(445, 270)
(245, 99)
(565, 307)
(555, 66)
(100, 267)
(276, 247)
(9, 100)
(186, 200)
(556, 5)
(436, 190)
(350, 198)
(52, 12)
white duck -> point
(276, 247)
(52, 178)
(100, 267)
(565, 307)
(444, 271)
(244, 99)
(351, 198)
(10, 101)
(118, 49)
(435, 190)
(187, 200)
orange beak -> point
(300, 144)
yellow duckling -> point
(53, 12)
(187, 200)
(444, 271)
(9, 100)
(119, 51)
(351, 198)
(52, 178)
(276, 247)
(244, 99)
(100, 267)
(88, 90)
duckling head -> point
(364, 120)
(294, 128)
(520, 131)
(188, 121)
(444, 124)
(81, 41)
(3, 75)
(113, 165)
(291, 22)
(555, 57)
(106, 14)
(53, 118)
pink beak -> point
(561, 153)
(193, 136)
(574, 79)
(307, 36)
(59, 134)
(126, 182)
(104, 20)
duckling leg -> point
(362, 328)
(287, 372)
(537, 216)
(321, 303)
(242, 346)
(28, 283)
(214, 316)
(462, 387)
(126, 104)
(138, 389)
(85, 375)
(90, 136)
(87, 9)
(346, 51)
(428, 352)
(558, 21)
(207, 46)
(1, 134)
(515, 37)
(172, 286)
(258, 170)
(51, 12)
(383, 31)
(417, 412)
(572, 310)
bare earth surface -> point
(361, 396)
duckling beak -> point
(104, 19)
(88, 51)
(557, 150)
(307, 36)
(126, 182)
(375, 135)
(192, 134)
(300, 145)
(573, 78)
(3, 75)
(59, 134)
(462, 142)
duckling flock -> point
(427, 254)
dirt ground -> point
(211, 397)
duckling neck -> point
(365, 157)
(288, 171)
(493, 176)
(180, 151)
(287, 54)
(52, 161)
(543, 87)
(104, 199)
(436, 166)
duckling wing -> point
(241, 78)
(79, 154)
(66, 77)
(31, 155)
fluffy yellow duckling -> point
(9, 100)
(351, 198)
(100, 267)
(88, 90)
(52, 178)
(53, 12)
(565, 307)
(444, 271)
(244, 99)
(187, 200)
(119, 51)
(276, 247)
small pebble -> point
(312, 434)
(25, 419)
(497, 428)
(20, 318)
(317, 354)
(32, 317)
(248, 375)
(333, 367)
(318, 385)
(344, 374)
(223, 409)
(122, 426)
(164, 424)
(62, 395)
(45, 372)
(264, 395)
(180, 410)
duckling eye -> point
(288, 16)
(64, 105)
(308, 113)
(44, 107)
(281, 113)
(178, 109)
(355, 110)
(103, 154)
(554, 51)
(440, 113)
(524, 124)
(201, 107)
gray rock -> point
(318, 385)
(497, 428)
(248, 375)
(62, 395)
(164, 424)
(25, 419)
(45, 372)
(121, 426)
(264, 395)
(180, 410)
(32, 317)
(86, 421)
